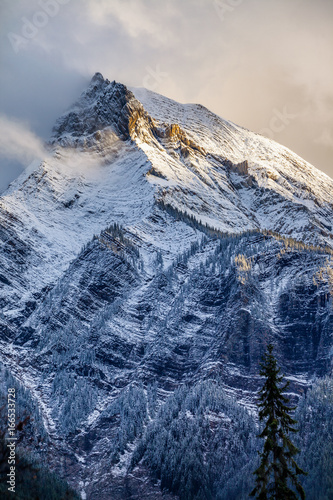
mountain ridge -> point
(171, 136)
(155, 248)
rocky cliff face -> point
(158, 245)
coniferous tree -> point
(278, 472)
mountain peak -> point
(252, 181)
(98, 77)
(102, 105)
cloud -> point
(245, 63)
(19, 143)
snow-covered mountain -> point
(157, 245)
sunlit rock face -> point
(157, 245)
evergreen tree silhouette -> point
(277, 474)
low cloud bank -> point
(18, 142)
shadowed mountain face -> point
(158, 248)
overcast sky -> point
(264, 64)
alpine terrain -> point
(145, 265)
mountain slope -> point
(157, 245)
